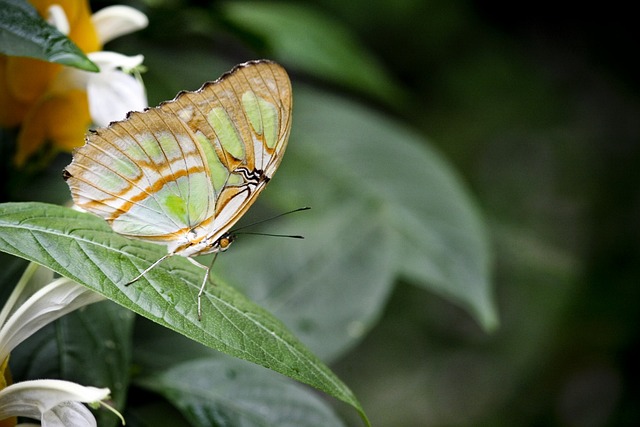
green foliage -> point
(387, 207)
(83, 248)
(384, 205)
(24, 33)
(315, 43)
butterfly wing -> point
(242, 122)
(188, 169)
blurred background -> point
(535, 106)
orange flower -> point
(53, 105)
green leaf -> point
(356, 154)
(83, 247)
(384, 205)
(316, 43)
(225, 391)
(24, 33)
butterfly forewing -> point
(194, 163)
(243, 122)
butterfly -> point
(183, 173)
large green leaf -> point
(24, 33)
(353, 154)
(310, 40)
(83, 247)
(384, 205)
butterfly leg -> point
(204, 282)
(148, 269)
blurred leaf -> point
(12, 269)
(226, 391)
(83, 247)
(24, 33)
(384, 204)
(101, 332)
(354, 154)
(316, 43)
(157, 413)
(152, 343)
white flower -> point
(115, 21)
(54, 402)
(113, 91)
(30, 307)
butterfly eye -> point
(224, 243)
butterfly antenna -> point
(306, 208)
(271, 235)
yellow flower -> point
(53, 104)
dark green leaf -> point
(225, 391)
(441, 240)
(12, 269)
(316, 43)
(101, 332)
(24, 33)
(83, 248)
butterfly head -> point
(223, 243)
(203, 246)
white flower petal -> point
(115, 21)
(46, 305)
(31, 399)
(73, 78)
(57, 18)
(112, 94)
(69, 414)
(107, 60)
